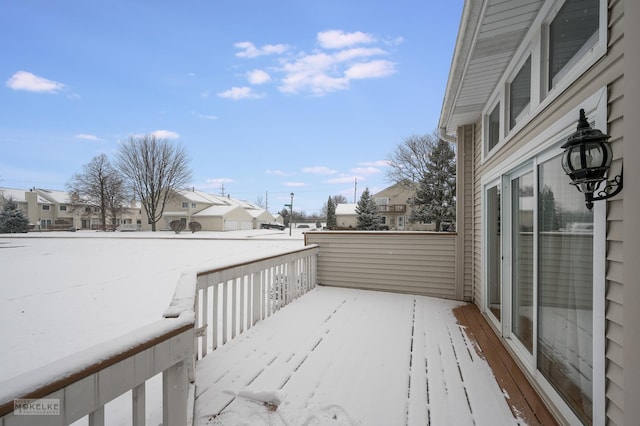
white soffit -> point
(500, 27)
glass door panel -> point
(494, 253)
(565, 289)
(522, 204)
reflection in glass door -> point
(522, 203)
(494, 253)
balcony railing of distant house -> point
(208, 308)
(392, 208)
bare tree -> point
(156, 170)
(409, 163)
(98, 185)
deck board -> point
(523, 399)
(346, 357)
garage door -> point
(237, 225)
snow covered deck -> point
(351, 357)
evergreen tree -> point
(332, 220)
(367, 214)
(436, 191)
(548, 210)
(12, 219)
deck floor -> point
(353, 357)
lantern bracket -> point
(611, 189)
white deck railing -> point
(231, 300)
(207, 309)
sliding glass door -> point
(494, 252)
(522, 205)
(565, 289)
(540, 276)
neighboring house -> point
(51, 210)
(213, 212)
(558, 282)
(394, 203)
(346, 216)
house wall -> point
(629, 293)
(405, 262)
(608, 72)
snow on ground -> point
(62, 292)
(351, 357)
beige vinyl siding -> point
(614, 389)
(468, 213)
(478, 214)
(405, 262)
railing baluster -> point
(214, 315)
(225, 310)
(138, 401)
(96, 418)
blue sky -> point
(266, 96)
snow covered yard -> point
(63, 292)
(351, 357)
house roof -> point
(200, 197)
(19, 195)
(489, 35)
(58, 197)
(216, 210)
(346, 209)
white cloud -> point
(86, 137)
(240, 93)
(321, 73)
(319, 170)
(165, 134)
(373, 69)
(249, 50)
(278, 173)
(338, 39)
(366, 171)
(295, 184)
(258, 77)
(218, 181)
(23, 80)
(341, 58)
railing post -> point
(174, 395)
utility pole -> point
(291, 214)
(222, 189)
(266, 201)
(355, 190)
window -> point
(63, 208)
(46, 207)
(185, 205)
(494, 128)
(193, 205)
(520, 93)
(572, 32)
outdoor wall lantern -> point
(586, 159)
